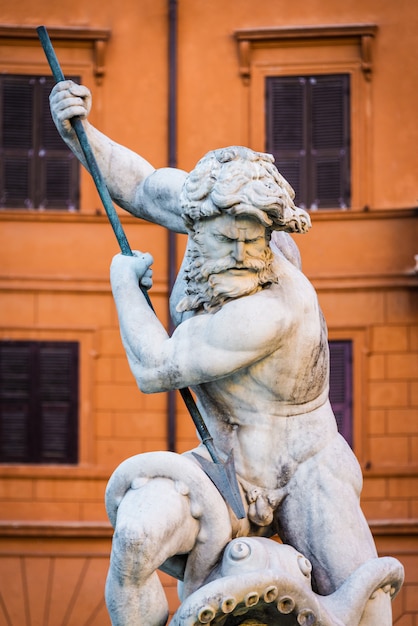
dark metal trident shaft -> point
(222, 474)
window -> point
(313, 55)
(308, 132)
(37, 170)
(341, 392)
(38, 402)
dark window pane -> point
(15, 388)
(14, 445)
(50, 138)
(328, 182)
(38, 402)
(287, 101)
(291, 170)
(308, 133)
(16, 190)
(327, 112)
(58, 192)
(286, 130)
(17, 113)
(15, 371)
(340, 391)
(37, 169)
(54, 431)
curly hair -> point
(240, 181)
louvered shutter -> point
(15, 401)
(57, 164)
(16, 149)
(308, 133)
(340, 393)
(37, 169)
(286, 130)
(329, 141)
(58, 376)
(38, 402)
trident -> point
(222, 474)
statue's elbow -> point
(149, 383)
(150, 377)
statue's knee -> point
(131, 554)
(127, 539)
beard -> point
(210, 283)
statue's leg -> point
(153, 523)
(321, 517)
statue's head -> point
(239, 181)
(234, 195)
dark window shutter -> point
(49, 137)
(340, 392)
(286, 129)
(58, 187)
(37, 169)
(58, 166)
(330, 141)
(38, 402)
(15, 401)
(16, 182)
(17, 113)
(308, 133)
(58, 376)
(16, 149)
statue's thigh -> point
(321, 516)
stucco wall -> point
(54, 267)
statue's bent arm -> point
(203, 348)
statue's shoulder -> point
(283, 245)
(159, 198)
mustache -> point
(229, 263)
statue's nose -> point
(239, 250)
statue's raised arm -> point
(133, 183)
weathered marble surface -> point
(251, 342)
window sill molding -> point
(394, 471)
(329, 215)
(247, 39)
(98, 38)
(335, 283)
(394, 527)
(62, 283)
(52, 530)
(55, 216)
(103, 530)
(321, 215)
(55, 472)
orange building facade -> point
(173, 81)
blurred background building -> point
(330, 88)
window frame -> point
(341, 392)
(311, 51)
(86, 339)
(32, 397)
(359, 339)
(44, 149)
(305, 157)
(81, 52)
